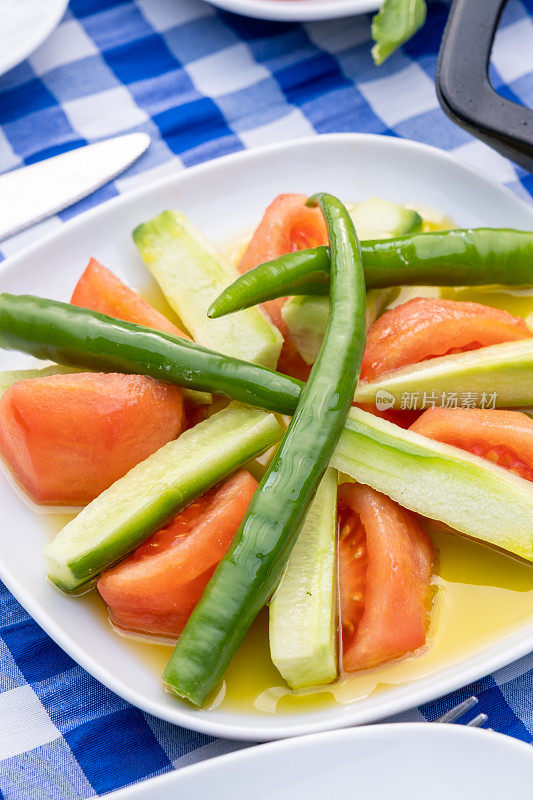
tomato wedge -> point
(287, 225)
(385, 568)
(69, 437)
(155, 589)
(100, 290)
(504, 437)
(426, 327)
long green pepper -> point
(247, 575)
(468, 257)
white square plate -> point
(226, 198)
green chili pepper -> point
(443, 258)
(77, 337)
(248, 573)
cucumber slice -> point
(470, 494)
(306, 318)
(10, 377)
(380, 219)
(191, 274)
(501, 375)
(302, 623)
(152, 492)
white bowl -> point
(297, 10)
(224, 198)
(405, 762)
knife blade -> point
(30, 194)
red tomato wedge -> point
(426, 327)
(69, 437)
(155, 589)
(385, 567)
(287, 225)
(100, 290)
(504, 437)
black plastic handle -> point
(464, 88)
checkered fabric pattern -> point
(203, 83)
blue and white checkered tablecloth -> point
(203, 83)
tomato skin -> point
(404, 419)
(100, 290)
(287, 225)
(69, 437)
(155, 589)
(385, 568)
(427, 327)
(503, 437)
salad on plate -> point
(290, 479)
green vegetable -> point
(307, 318)
(501, 372)
(303, 609)
(250, 570)
(191, 273)
(442, 258)
(74, 336)
(396, 23)
(152, 492)
(77, 337)
(380, 219)
(470, 494)
(10, 377)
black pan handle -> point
(464, 89)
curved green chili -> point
(443, 258)
(77, 337)
(248, 573)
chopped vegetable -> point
(155, 588)
(380, 219)
(503, 437)
(69, 437)
(396, 22)
(439, 481)
(426, 327)
(121, 518)
(303, 609)
(287, 225)
(191, 273)
(307, 318)
(498, 376)
(441, 258)
(9, 377)
(248, 573)
(100, 290)
(385, 559)
(371, 450)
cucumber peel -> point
(470, 494)
(192, 273)
(380, 219)
(123, 516)
(302, 621)
(503, 372)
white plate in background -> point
(297, 10)
(24, 25)
(225, 198)
(413, 761)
